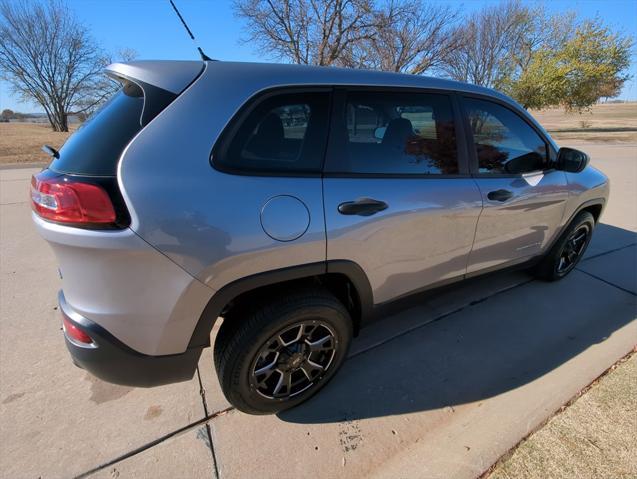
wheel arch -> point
(345, 279)
(594, 208)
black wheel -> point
(283, 351)
(568, 250)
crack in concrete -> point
(159, 440)
(607, 282)
(602, 279)
(608, 252)
(202, 391)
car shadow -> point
(500, 344)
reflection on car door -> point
(523, 197)
(397, 200)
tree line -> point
(7, 114)
(540, 59)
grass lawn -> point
(22, 142)
(607, 122)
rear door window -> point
(397, 133)
(284, 133)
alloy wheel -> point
(573, 249)
(293, 360)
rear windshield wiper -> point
(49, 150)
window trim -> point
(336, 145)
(474, 165)
(229, 132)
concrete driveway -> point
(441, 390)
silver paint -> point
(423, 237)
(591, 184)
(521, 226)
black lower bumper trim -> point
(114, 362)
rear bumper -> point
(111, 360)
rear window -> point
(94, 149)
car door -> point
(399, 200)
(524, 197)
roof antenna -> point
(204, 57)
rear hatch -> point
(110, 276)
(80, 187)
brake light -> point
(65, 200)
(74, 333)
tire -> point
(551, 267)
(277, 344)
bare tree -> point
(488, 45)
(316, 32)
(50, 58)
(103, 86)
(409, 37)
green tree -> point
(590, 65)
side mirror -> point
(571, 160)
(379, 132)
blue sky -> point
(151, 28)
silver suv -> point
(296, 203)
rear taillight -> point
(74, 333)
(65, 200)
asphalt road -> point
(441, 390)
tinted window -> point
(504, 142)
(398, 133)
(284, 133)
(94, 149)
